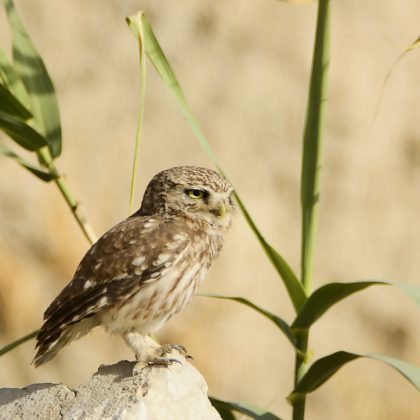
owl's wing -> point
(126, 258)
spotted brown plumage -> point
(146, 268)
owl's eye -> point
(196, 194)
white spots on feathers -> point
(120, 276)
(89, 283)
(162, 258)
(103, 301)
(149, 223)
(138, 260)
(52, 344)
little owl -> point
(145, 269)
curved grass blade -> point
(280, 323)
(11, 106)
(21, 133)
(137, 29)
(293, 285)
(36, 170)
(406, 50)
(164, 69)
(18, 342)
(225, 409)
(32, 71)
(330, 294)
(321, 370)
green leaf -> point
(225, 409)
(11, 106)
(330, 294)
(36, 170)
(321, 370)
(281, 324)
(21, 133)
(31, 69)
(10, 79)
(139, 24)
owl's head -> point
(199, 194)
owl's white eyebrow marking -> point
(138, 260)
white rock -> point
(178, 392)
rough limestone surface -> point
(177, 392)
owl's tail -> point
(51, 341)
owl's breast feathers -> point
(151, 255)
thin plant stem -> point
(311, 171)
(61, 183)
(18, 342)
(74, 207)
(140, 117)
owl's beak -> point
(221, 210)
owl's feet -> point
(159, 358)
(168, 348)
(163, 362)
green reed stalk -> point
(311, 171)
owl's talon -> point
(163, 361)
(167, 348)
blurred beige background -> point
(244, 66)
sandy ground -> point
(244, 65)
